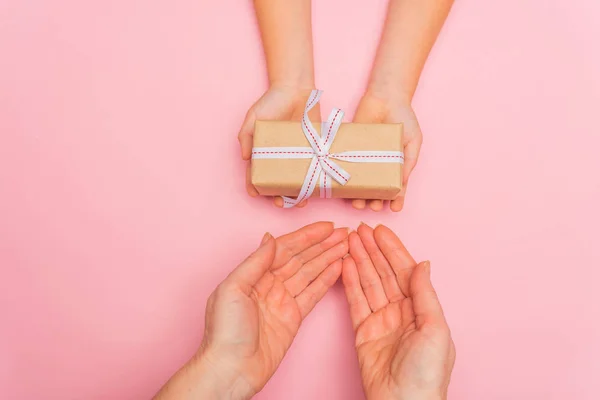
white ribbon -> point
(323, 170)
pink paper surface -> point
(122, 201)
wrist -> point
(219, 381)
(293, 74)
(410, 396)
(296, 84)
(436, 396)
(419, 395)
(294, 92)
(388, 92)
(202, 379)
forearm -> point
(198, 379)
(286, 31)
(410, 31)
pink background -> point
(116, 223)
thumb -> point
(411, 156)
(246, 133)
(427, 307)
(370, 110)
(249, 272)
(364, 115)
(315, 114)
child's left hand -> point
(378, 109)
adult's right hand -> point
(404, 346)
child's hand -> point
(378, 109)
(283, 103)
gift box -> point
(297, 160)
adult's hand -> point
(403, 342)
(254, 314)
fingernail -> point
(427, 266)
(265, 239)
(349, 230)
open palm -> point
(254, 315)
(404, 346)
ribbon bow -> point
(322, 169)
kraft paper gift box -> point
(368, 180)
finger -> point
(310, 271)
(426, 305)
(287, 270)
(369, 112)
(357, 301)
(359, 204)
(398, 203)
(307, 300)
(397, 256)
(314, 115)
(362, 116)
(376, 205)
(245, 136)
(263, 287)
(383, 268)
(411, 156)
(408, 315)
(278, 202)
(302, 204)
(369, 279)
(296, 242)
(249, 186)
(249, 272)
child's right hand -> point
(279, 103)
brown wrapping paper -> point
(284, 177)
